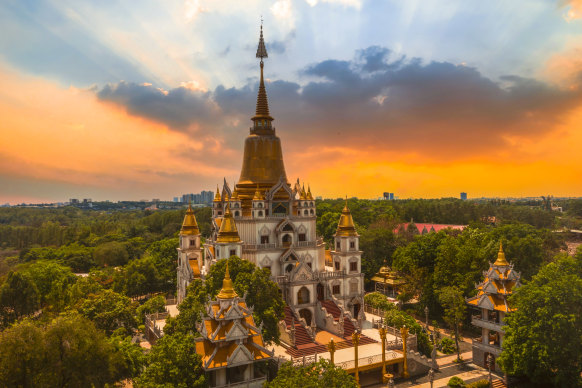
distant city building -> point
(205, 197)
(492, 306)
(464, 196)
(388, 196)
(177, 199)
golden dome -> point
(190, 226)
(227, 292)
(217, 197)
(346, 225)
(501, 261)
(258, 196)
(227, 232)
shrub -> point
(456, 382)
(478, 384)
(446, 346)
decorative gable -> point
(486, 303)
(301, 273)
(241, 355)
(237, 331)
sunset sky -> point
(424, 98)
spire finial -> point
(262, 117)
(501, 260)
(227, 292)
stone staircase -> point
(302, 337)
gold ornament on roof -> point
(346, 225)
(501, 261)
(189, 226)
(309, 196)
(258, 196)
(217, 197)
(303, 194)
(228, 231)
(227, 292)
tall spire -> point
(262, 118)
(189, 226)
(346, 225)
(501, 260)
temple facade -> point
(492, 307)
(272, 223)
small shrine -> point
(388, 282)
(231, 346)
(492, 306)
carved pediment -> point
(264, 231)
(237, 331)
(234, 312)
(485, 303)
(301, 272)
(266, 261)
(241, 355)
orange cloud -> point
(573, 9)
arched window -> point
(305, 212)
(236, 205)
(289, 268)
(260, 213)
(303, 295)
(287, 240)
(260, 205)
(312, 212)
(236, 213)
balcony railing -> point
(298, 244)
(494, 349)
(487, 324)
(244, 384)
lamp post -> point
(356, 341)
(489, 365)
(382, 331)
(331, 348)
(431, 376)
(404, 334)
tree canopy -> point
(321, 374)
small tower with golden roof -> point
(230, 343)
(347, 258)
(492, 305)
(228, 242)
(189, 253)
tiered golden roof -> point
(190, 226)
(346, 225)
(228, 231)
(501, 261)
(227, 292)
(303, 194)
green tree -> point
(18, 297)
(378, 301)
(455, 310)
(157, 304)
(191, 309)
(21, 355)
(327, 225)
(378, 244)
(111, 254)
(398, 318)
(543, 336)
(109, 311)
(52, 281)
(139, 277)
(321, 374)
(173, 362)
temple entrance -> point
(320, 292)
(303, 295)
(306, 314)
(357, 307)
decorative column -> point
(356, 341)
(382, 331)
(404, 334)
(331, 348)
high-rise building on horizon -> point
(463, 196)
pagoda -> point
(492, 306)
(231, 346)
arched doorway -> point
(357, 307)
(320, 292)
(303, 295)
(485, 361)
(306, 314)
(289, 268)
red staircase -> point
(331, 308)
(302, 338)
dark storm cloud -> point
(372, 102)
(178, 108)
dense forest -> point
(126, 256)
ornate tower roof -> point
(263, 156)
(189, 226)
(228, 232)
(346, 225)
(309, 196)
(501, 261)
(217, 197)
(227, 292)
